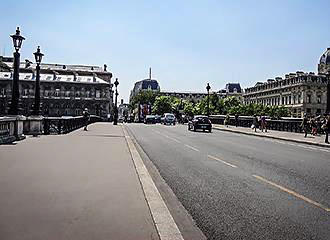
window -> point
(309, 98)
(98, 93)
(318, 98)
(57, 92)
(308, 110)
(48, 78)
(89, 79)
(58, 78)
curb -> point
(272, 137)
(163, 220)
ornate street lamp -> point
(115, 120)
(208, 98)
(38, 57)
(14, 105)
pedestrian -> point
(227, 120)
(255, 123)
(326, 128)
(304, 124)
(263, 124)
(313, 126)
(236, 120)
(86, 117)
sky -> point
(186, 43)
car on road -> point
(168, 118)
(200, 122)
(158, 118)
(150, 119)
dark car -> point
(158, 118)
(200, 122)
(150, 119)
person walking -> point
(304, 124)
(313, 126)
(227, 120)
(263, 124)
(236, 120)
(255, 123)
(86, 117)
(326, 128)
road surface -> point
(243, 187)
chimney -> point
(122, 101)
(105, 67)
(150, 73)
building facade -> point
(302, 93)
(65, 90)
(231, 89)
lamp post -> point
(38, 57)
(17, 41)
(208, 98)
(115, 120)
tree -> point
(144, 97)
(162, 105)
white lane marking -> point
(224, 162)
(284, 189)
(164, 222)
(191, 147)
(174, 139)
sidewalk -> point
(281, 135)
(82, 185)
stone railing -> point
(10, 129)
(62, 125)
(287, 124)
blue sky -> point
(187, 43)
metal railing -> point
(288, 125)
(63, 125)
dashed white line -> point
(224, 162)
(191, 147)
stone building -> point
(300, 92)
(65, 90)
(231, 89)
(144, 85)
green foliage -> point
(162, 104)
(229, 105)
(143, 97)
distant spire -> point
(150, 73)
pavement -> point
(280, 135)
(238, 186)
(82, 185)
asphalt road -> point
(243, 187)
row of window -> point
(286, 100)
(287, 82)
